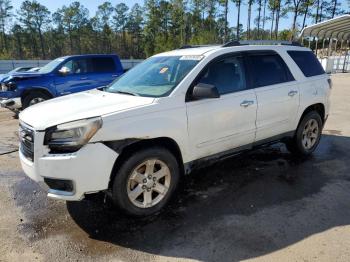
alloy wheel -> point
(148, 183)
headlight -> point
(4, 87)
(8, 86)
(71, 136)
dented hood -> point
(19, 76)
(78, 106)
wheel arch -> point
(319, 107)
(43, 90)
(127, 147)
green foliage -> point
(141, 31)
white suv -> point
(175, 111)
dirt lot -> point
(263, 206)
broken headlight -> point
(8, 86)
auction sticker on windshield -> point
(191, 57)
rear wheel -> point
(34, 98)
(145, 181)
(307, 136)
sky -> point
(92, 5)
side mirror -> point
(202, 91)
(64, 70)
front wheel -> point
(145, 181)
(34, 98)
(307, 136)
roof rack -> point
(260, 42)
(193, 46)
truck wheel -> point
(307, 136)
(34, 98)
(145, 181)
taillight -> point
(330, 83)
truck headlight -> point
(9, 86)
(4, 87)
(71, 136)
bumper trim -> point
(11, 103)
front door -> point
(219, 124)
(77, 77)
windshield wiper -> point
(126, 93)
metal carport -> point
(336, 33)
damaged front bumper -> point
(11, 103)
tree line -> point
(33, 32)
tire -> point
(34, 97)
(307, 135)
(132, 193)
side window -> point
(103, 64)
(227, 75)
(307, 62)
(269, 69)
(77, 66)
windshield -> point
(155, 77)
(51, 66)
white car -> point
(175, 111)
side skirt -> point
(209, 160)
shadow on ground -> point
(240, 208)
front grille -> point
(26, 137)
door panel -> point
(277, 94)
(77, 79)
(217, 125)
(277, 108)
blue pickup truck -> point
(62, 76)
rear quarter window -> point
(269, 69)
(307, 62)
(103, 64)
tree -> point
(295, 8)
(134, 26)
(258, 19)
(250, 3)
(5, 15)
(73, 19)
(238, 5)
(120, 20)
(35, 16)
(224, 3)
(305, 9)
(101, 22)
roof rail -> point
(193, 46)
(260, 42)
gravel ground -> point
(261, 206)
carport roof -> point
(338, 28)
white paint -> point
(200, 128)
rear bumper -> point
(11, 103)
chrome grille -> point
(26, 137)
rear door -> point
(104, 70)
(277, 94)
(219, 124)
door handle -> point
(115, 75)
(83, 78)
(292, 93)
(247, 103)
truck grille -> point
(26, 137)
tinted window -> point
(307, 62)
(103, 64)
(269, 69)
(227, 75)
